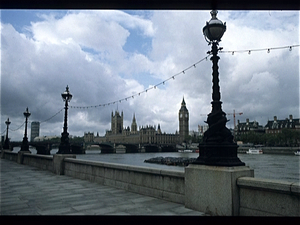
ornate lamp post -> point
(64, 147)
(25, 145)
(6, 142)
(218, 148)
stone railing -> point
(225, 191)
(9, 155)
(164, 184)
(262, 197)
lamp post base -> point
(64, 149)
(6, 145)
(25, 146)
(64, 146)
(218, 155)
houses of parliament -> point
(145, 134)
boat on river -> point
(187, 150)
(254, 151)
(297, 153)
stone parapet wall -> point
(9, 155)
(164, 184)
(262, 197)
(43, 162)
(249, 196)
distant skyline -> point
(108, 55)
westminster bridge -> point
(45, 147)
(108, 147)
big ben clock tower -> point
(183, 121)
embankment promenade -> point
(72, 186)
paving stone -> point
(26, 190)
(194, 213)
(84, 202)
(88, 206)
(57, 211)
(103, 211)
(118, 214)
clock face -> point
(186, 115)
(180, 115)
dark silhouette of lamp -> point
(218, 148)
(6, 142)
(64, 147)
(25, 144)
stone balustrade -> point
(244, 195)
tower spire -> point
(183, 102)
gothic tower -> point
(183, 121)
(133, 125)
(116, 122)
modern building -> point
(35, 130)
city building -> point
(35, 130)
(44, 138)
(144, 135)
(276, 126)
(183, 121)
(244, 128)
(89, 137)
(202, 129)
(272, 127)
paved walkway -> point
(27, 190)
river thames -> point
(269, 166)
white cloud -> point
(85, 50)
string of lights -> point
(40, 122)
(268, 50)
(181, 72)
(52, 116)
(17, 128)
(144, 91)
(3, 132)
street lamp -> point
(25, 145)
(64, 147)
(6, 142)
(218, 148)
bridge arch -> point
(107, 148)
(151, 148)
(131, 148)
(168, 148)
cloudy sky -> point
(106, 56)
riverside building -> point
(148, 134)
